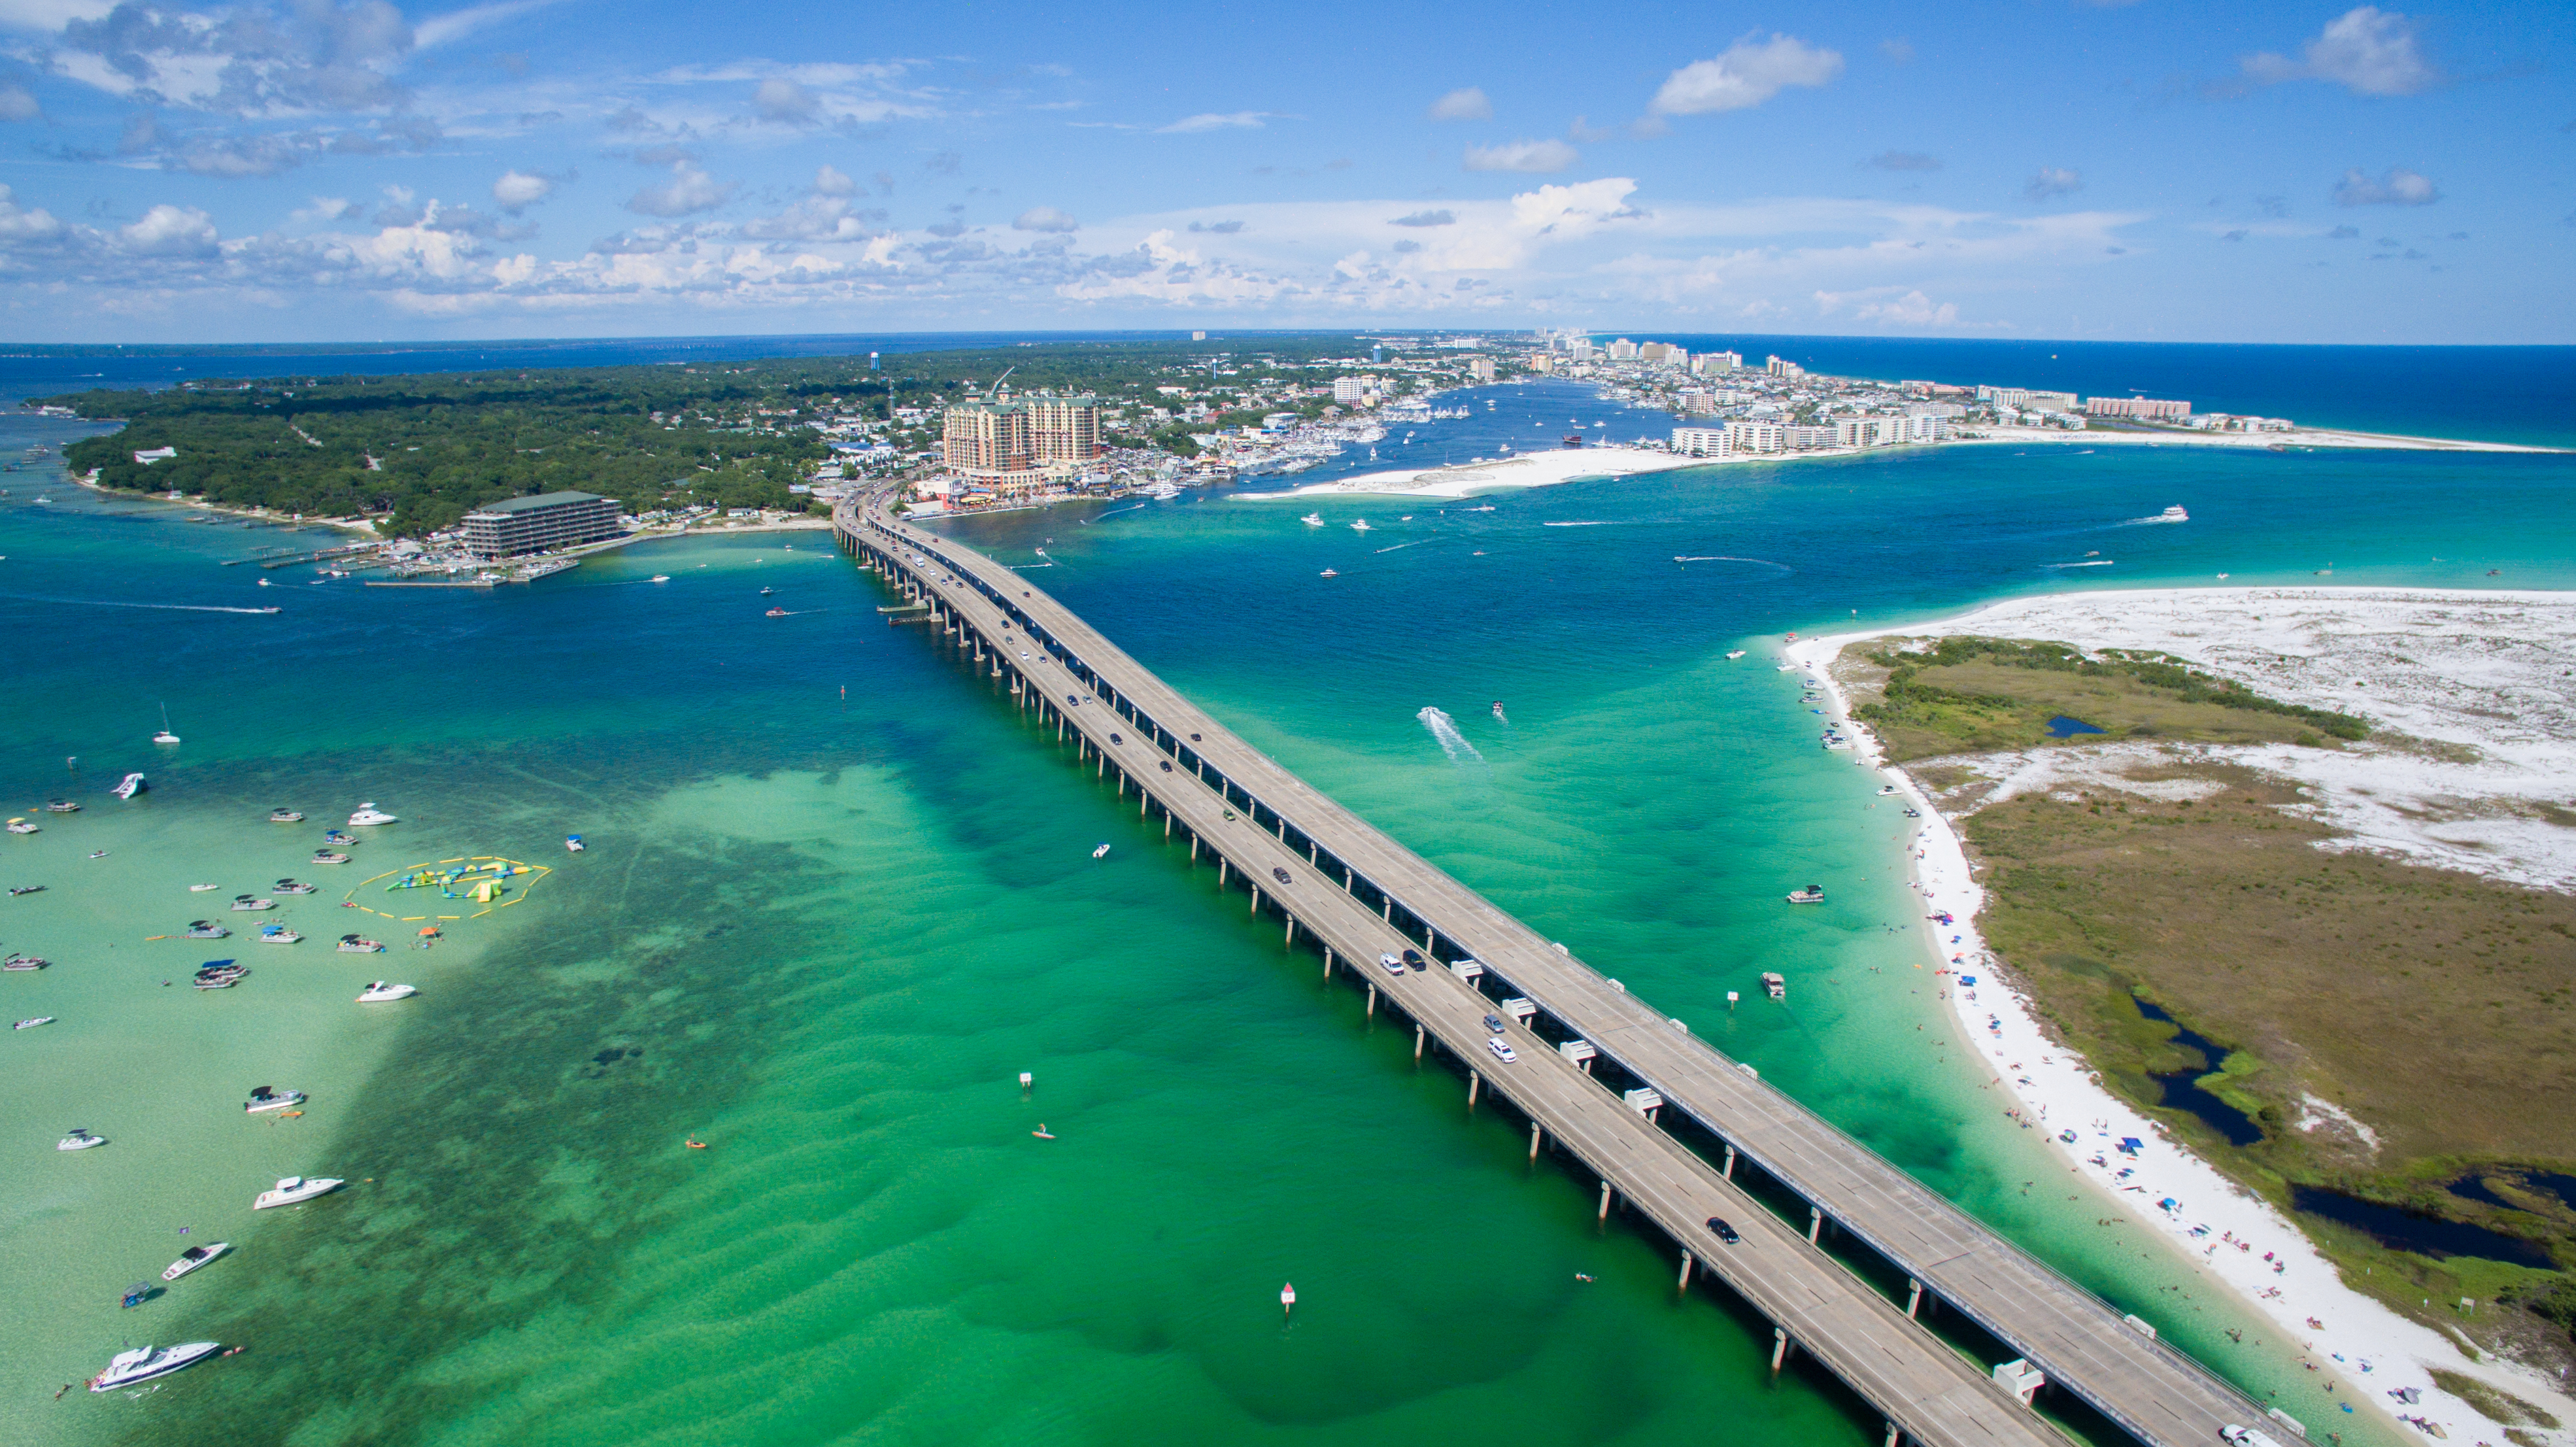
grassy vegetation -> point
(1980, 695)
(2432, 1006)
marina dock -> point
(1674, 1131)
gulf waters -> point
(837, 897)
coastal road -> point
(1349, 883)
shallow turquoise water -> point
(824, 931)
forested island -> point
(417, 452)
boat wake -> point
(2087, 563)
(1417, 542)
(111, 603)
(1579, 525)
(1728, 558)
(2169, 515)
(1115, 511)
(1444, 729)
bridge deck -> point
(2082, 1345)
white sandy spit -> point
(1523, 469)
(2487, 672)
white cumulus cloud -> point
(2400, 187)
(1468, 104)
(1535, 156)
(17, 103)
(2052, 181)
(1749, 72)
(1044, 218)
(168, 230)
(831, 181)
(689, 190)
(2368, 51)
(516, 191)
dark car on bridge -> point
(1717, 1227)
(1281, 875)
(1413, 959)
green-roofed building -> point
(534, 524)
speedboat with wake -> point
(194, 1257)
(144, 1363)
(353, 945)
(381, 993)
(267, 1098)
(368, 816)
(292, 1190)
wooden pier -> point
(1602, 1077)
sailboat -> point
(165, 736)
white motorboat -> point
(252, 901)
(329, 856)
(1100, 853)
(277, 934)
(353, 945)
(1812, 894)
(284, 815)
(368, 815)
(61, 806)
(80, 1139)
(24, 962)
(203, 888)
(194, 1257)
(129, 786)
(1359, 525)
(661, 577)
(1738, 653)
(1312, 519)
(22, 826)
(289, 886)
(381, 993)
(265, 1098)
(291, 1190)
(32, 1024)
(144, 1363)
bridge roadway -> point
(1259, 817)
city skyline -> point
(2147, 171)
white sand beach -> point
(2476, 711)
(1525, 469)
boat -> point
(283, 815)
(218, 975)
(765, 592)
(277, 934)
(358, 945)
(144, 1363)
(16, 890)
(31, 1024)
(325, 856)
(1886, 789)
(573, 844)
(203, 888)
(205, 929)
(24, 962)
(165, 736)
(61, 806)
(1812, 894)
(368, 816)
(1100, 853)
(381, 993)
(776, 613)
(292, 1189)
(194, 1257)
(1312, 519)
(334, 836)
(267, 1098)
(21, 826)
(1738, 653)
(1777, 987)
(1359, 525)
(252, 901)
(78, 1138)
(290, 886)
(1329, 573)
(660, 578)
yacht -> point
(326, 856)
(144, 1363)
(205, 929)
(264, 1098)
(354, 945)
(1312, 519)
(252, 901)
(368, 814)
(277, 934)
(129, 786)
(1812, 894)
(24, 962)
(289, 886)
(1360, 525)
(381, 993)
(194, 1257)
(284, 815)
(80, 1139)
(165, 736)
(293, 1189)
(32, 1023)
(21, 826)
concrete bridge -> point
(1675, 1131)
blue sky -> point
(313, 170)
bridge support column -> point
(1779, 1348)
(1140, 801)
(1604, 1213)
(1815, 1223)
(1167, 823)
(1728, 1170)
(1913, 1297)
(1194, 848)
(1474, 1080)
(1534, 1135)
(1893, 1432)
(1372, 1006)
(1291, 937)
(1387, 908)
(1682, 1283)
(1328, 962)
(1418, 1034)
(1255, 907)
(1220, 871)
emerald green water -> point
(824, 934)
